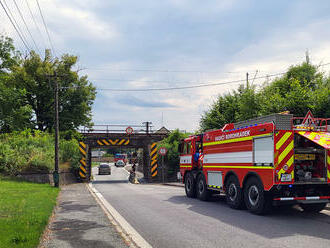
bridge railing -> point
(115, 128)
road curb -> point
(173, 185)
(131, 236)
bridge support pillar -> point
(146, 162)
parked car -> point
(104, 169)
(120, 163)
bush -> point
(34, 152)
(171, 143)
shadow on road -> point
(72, 231)
(282, 222)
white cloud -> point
(204, 39)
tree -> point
(301, 89)
(239, 105)
(37, 77)
(9, 57)
(14, 114)
(172, 143)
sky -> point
(150, 44)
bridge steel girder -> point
(110, 140)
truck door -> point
(186, 157)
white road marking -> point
(127, 228)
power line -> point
(16, 23)
(43, 20)
(163, 71)
(180, 88)
(19, 34)
(27, 28)
(13, 18)
(34, 21)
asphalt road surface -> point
(165, 217)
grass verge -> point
(24, 211)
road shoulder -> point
(79, 221)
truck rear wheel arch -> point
(228, 174)
(248, 176)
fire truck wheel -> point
(202, 192)
(190, 185)
(256, 199)
(313, 208)
(234, 194)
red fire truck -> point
(259, 163)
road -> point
(165, 217)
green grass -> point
(24, 212)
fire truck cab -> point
(271, 160)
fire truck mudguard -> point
(270, 160)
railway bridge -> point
(124, 136)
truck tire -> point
(234, 194)
(313, 208)
(190, 185)
(201, 188)
(257, 201)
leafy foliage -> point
(14, 114)
(27, 91)
(301, 89)
(34, 151)
(171, 143)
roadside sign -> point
(162, 151)
(129, 130)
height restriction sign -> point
(129, 130)
(162, 151)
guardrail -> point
(117, 128)
(315, 124)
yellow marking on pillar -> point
(127, 142)
(154, 174)
(83, 162)
(121, 142)
(153, 152)
(282, 140)
(153, 162)
(153, 157)
(82, 151)
(83, 169)
(105, 142)
(99, 142)
(153, 169)
(82, 174)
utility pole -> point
(307, 57)
(147, 123)
(56, 174)
(247, 80)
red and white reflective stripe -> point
(306, 198)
